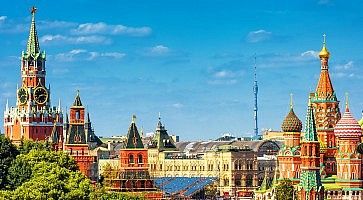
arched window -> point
(77, 115)
(249, 180)
(139, 158)
(131, 158)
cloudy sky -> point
(191, 60)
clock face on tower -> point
(22, 95)
(40, 95)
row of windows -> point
(210, 167)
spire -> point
(59, 105)
(33, 43)
(291, 101)
(324, 53)
(7, 105)
(159, 126)
(88, 118)
(255, 92)
(265, 184)
(77, 100)
(310, 129)
(346, 102)
(133, 137)
(67, 119)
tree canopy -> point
(285, 190)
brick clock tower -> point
(33, 117)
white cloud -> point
(345, 66)
(178, 105)
(223, 82)
(115, 55)
(69, 56)
(103, 28)
(55, 24)
(310, 53)
(225, 74)
(82, 54)
(92, 39)
(157, 51)
(2, 19)
(344, 75)
(258, 36)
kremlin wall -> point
(320, 157)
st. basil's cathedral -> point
(322, 161)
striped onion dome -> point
(347, 126)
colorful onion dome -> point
(291, 122)
(347, 126)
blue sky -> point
(190, 60)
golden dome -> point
(324, 53)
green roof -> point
(133, 137)
(33, 43)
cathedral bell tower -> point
(33, 117)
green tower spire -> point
(310, 129)
(310, 179)
(32, 47)
(133, 137)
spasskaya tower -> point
(33, 117)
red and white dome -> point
(347, 126)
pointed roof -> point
(324, 89)
(54, 136)
(161, 139)
(77, 101)
(310, 129)
(291, 122)
(33, 43)
(347, 126)
(133, 137)
(265, 184)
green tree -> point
(285, 190)
(8, 152)
(27, 145)
(19, 172)
(50, 181)
(62, 159)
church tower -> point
(349, 161)
(33, 117)
(327, 113)
(310, 186)
(289, 156)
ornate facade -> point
(327, 113)
(33, 117)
